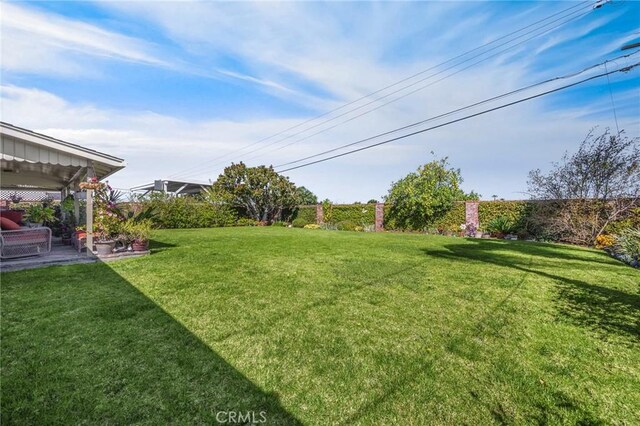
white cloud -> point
(505, 144)
(298, 51)
(35, 41)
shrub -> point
(246, 221)
(346, 225)
(628, 243)
(604, 241)
(279, 223)
(312, 226)
(500, 226)
(307, 213)
(300, 222)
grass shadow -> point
(75, 350)
(156, 246)
(607, 310)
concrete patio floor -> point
(60, 255)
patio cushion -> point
(8, 224)
(13, 215)
(34, 237)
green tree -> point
(259, 192)
(424, 196)
(305, 196)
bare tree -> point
(588, 190)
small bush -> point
(500, 226)
(300, 222)
(346, 225)
(280, 224)
(245, 221)
(312, 226)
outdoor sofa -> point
(19, 241)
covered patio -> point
(35, 162)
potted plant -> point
(37, 214)
(138, 232)
(104, 243)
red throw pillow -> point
(8, 224)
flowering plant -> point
(470, 230)
(107, 216)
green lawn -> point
(325, 327)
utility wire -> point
(579, 5)
(414, 84)
(405, 94)
(625, 69)
(563, 77)
(404, 88)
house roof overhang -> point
(30, 160)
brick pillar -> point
(379, 217)
(471, 213)
(319, 214)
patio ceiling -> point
(35, 161)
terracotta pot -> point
(140, 245)
(105, 247)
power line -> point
(414, 84)
(408, 86)
(625, 69)
(563, 77)
(579, 5)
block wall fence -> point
(471, 213)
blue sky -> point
(178, 88)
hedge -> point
(307, 213)
(452, 220)
(188, 212)
(359, 214)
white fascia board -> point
(63, 146)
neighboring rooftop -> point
(172, 187)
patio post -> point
(76, 205)
(63, 195)
(89, 222)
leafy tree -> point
(422, 197)
(588, 190)
(372, 201)
(305, 196)
(259, 192)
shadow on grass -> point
(157, 246)
(603, 309)
(81, 351)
